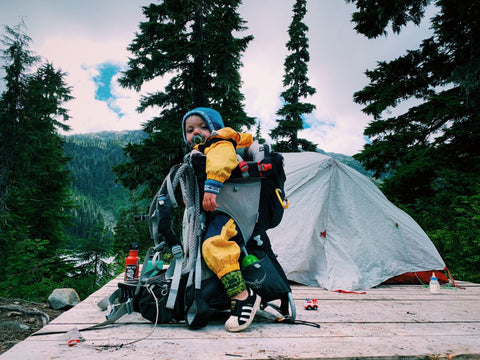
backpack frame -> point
(188, 290)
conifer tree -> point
(296, 86)
(18, 59)
(441, 133)
(194, 43)
(45, 178)
(93, 269)
(430, 151)
(34, 186)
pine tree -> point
(45, 178)
(429, 152)
(93, 269)
(34, 185)
(192, 41)
(19, 59)
(296, 86)
(441, 134)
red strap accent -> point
(263, 168)
(350, 292)
(243, 165)
(451, 278)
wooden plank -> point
(336, 311)
(131, 330)
(246, 345)
(386, 322)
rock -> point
(14, 325)
(63, 298)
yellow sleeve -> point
(221, 155)
(241, 139)
(221, 160)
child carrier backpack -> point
(188, 290)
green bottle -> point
(248, 260)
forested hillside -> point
(98, 199)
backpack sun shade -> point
(188, 290)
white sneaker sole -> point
(232, 325)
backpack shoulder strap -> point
(177, 253)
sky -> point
(88, 41)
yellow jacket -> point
(221, 156)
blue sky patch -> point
(311, 121)
(106, 71)
(308, 120)
(367, 139)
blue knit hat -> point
(212, 118)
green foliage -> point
(86, 215)
(91, 257)
(303, 145)
(97, 197)
(451, 220)
(99, 203)
(430, 152)
(181, 38)
(34, 187)
(372, 19)
(296, 86)
(444, 127)
(31, 275)
(131, 228)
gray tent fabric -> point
(341, 233)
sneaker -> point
(243, 312)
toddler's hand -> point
(209, 201)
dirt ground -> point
(20, 318)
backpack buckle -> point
(243, 168)
(177, 251)
(263, 168)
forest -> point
(99, 198)
(70, 205)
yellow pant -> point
(220, 253)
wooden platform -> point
(389, 322)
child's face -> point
(194, 125)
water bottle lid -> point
(249, 259)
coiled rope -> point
(183, 175)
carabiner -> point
(282, 198)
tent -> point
(341, 233)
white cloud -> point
(77, 36)
(79, 58)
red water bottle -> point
(132, 263)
